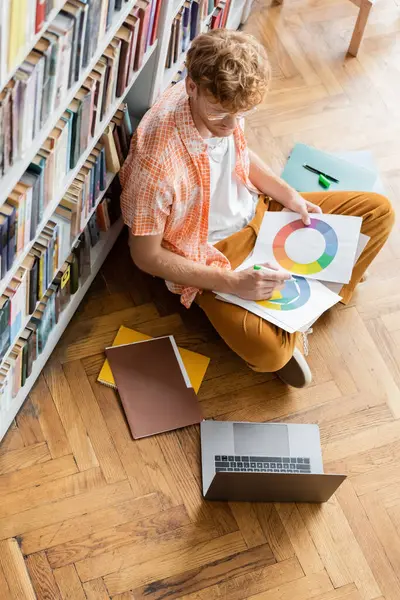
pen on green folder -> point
(260, 268)
(318, 172)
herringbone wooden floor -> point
(85, 512)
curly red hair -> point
(232, 66)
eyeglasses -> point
(222, 116)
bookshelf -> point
(31, 44)
(8, 413)
(163, 76)
(141, 91)
(72, 174)
(8, 182)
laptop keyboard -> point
(262, 464)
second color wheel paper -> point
(325, 250)
(297, 304)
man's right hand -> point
(251, 284)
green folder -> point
(351, 176)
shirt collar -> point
(187, 129)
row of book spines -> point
(52, 246)
(18, 366)
(184, 29)
(16, 104)
(22, 20)
(220, 15)
(23, 211)
(31, 343)
(92, 19)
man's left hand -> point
(299, 205)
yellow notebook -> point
(196, 364)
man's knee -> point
(383, 209)
(269, 354)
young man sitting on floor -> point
(191, 198)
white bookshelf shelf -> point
(99, 253)
(30, 45)
(13, 175)
(72, 174)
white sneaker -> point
(296, 372)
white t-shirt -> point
(232, 205)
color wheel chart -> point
(294, 295)
(331, 247)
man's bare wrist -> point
(226, 282)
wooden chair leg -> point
(359, 28)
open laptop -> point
(264, 462)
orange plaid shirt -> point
(166, 183)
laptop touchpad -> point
(261, 439)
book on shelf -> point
(154, 24)
(142, 10)
(56, 63)
(184, 29)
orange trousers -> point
(265, 347)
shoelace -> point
(306, 346)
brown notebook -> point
(154, 387)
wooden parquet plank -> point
(374, 437)
(49, 419)
(318, 527)
(347, 545)
(91, 522)
(332, 357)
(70, 417)
(14, 569)
(299, 537)
(130, 555)
(3, 584)
(249, 524)
(69, 584)
(270, 401)
(218, 572)
(364, 359)
(368, 542)
(302, 589)
(346, 592)
(175, 562)
(274, 531)
(93, 421)
(336, 419)
(239, 586)
(383, 527)
(29, 425)
(158, 472)
(23, 458)
(42, 577)
(388, 345)
(12, 441)
(90, 336)
(46, 493)
(110, 538)
(96, 590)
(127, 448)
(188, 486)
(364, 462)
(39, 517)
(37, 474)
(367, 483)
